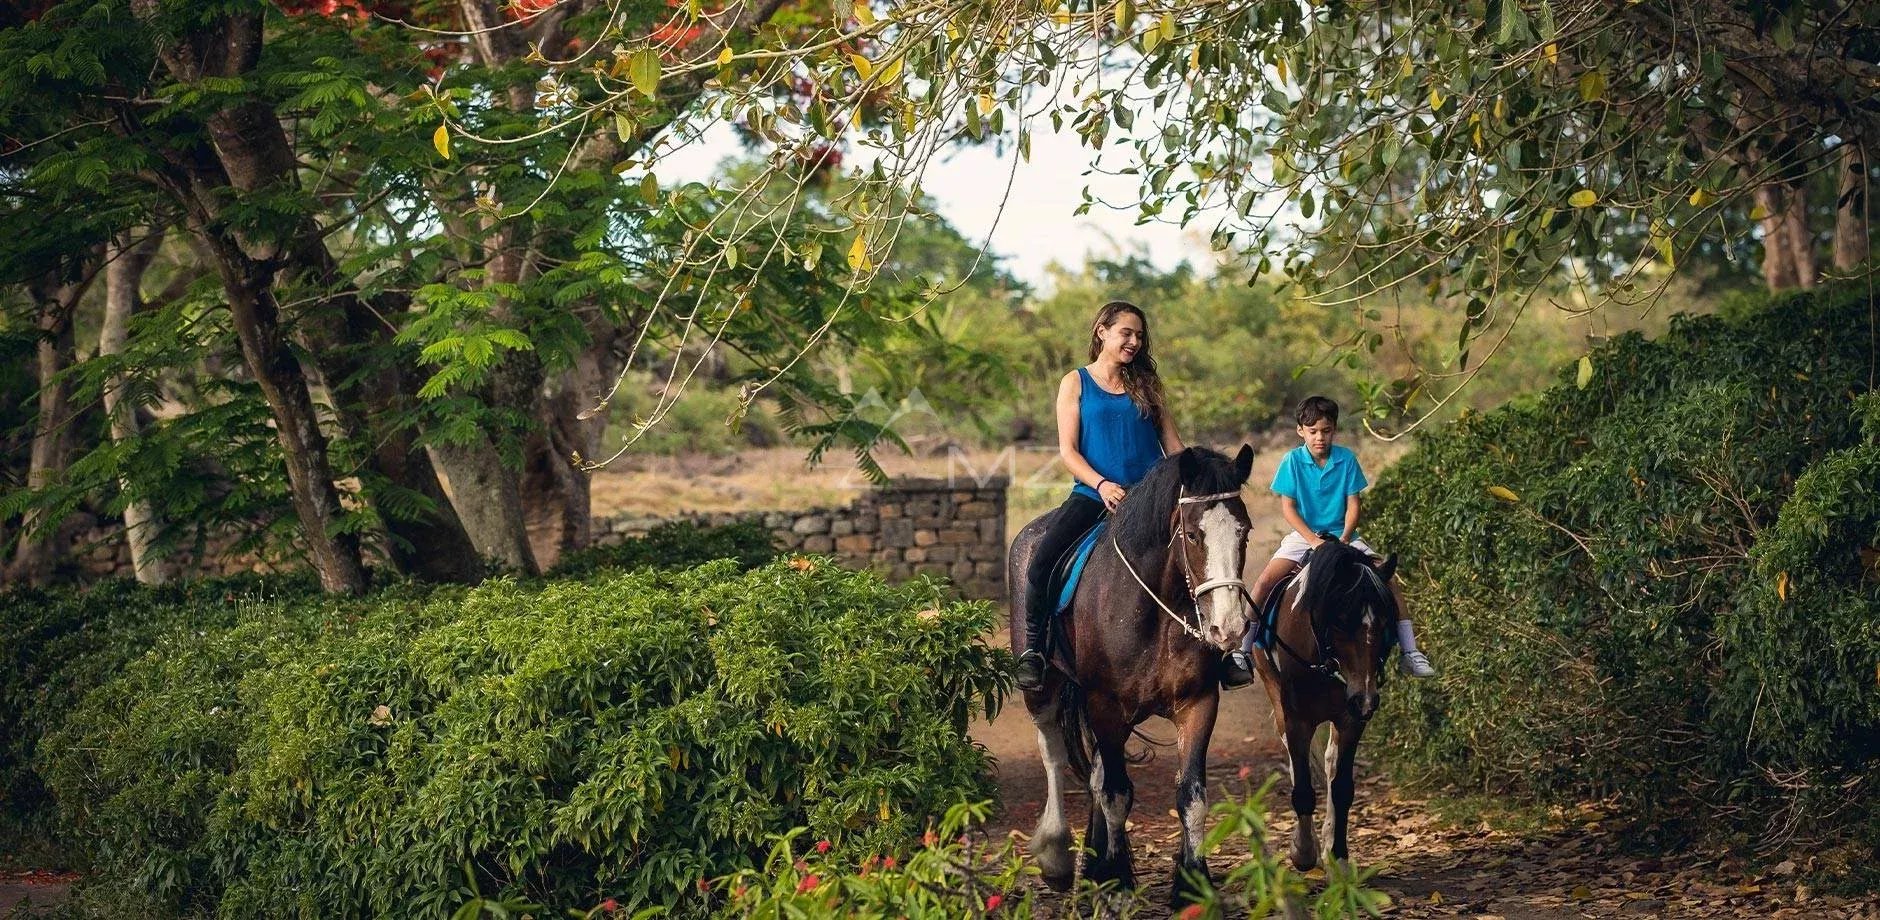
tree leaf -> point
(858, 255)
(1592, 85)
(1504, 493)
(1585, 375)
(441, 140)
(724, 57)
(649, 189)
(644, 71)
(1782, 586)
(1584, 198)
(863, 66)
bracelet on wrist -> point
(1100, 483)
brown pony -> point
(1323, 665)
(1160, 598)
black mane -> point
(1141, 523)
(1337, 582)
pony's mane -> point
(1328, 581)
(1141, 522)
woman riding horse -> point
(1113, 425)
(1160, 597)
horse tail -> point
(1074, 722)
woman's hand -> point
(1112, 494)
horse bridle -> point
(1195, 591)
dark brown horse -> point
(1323, 665)
(1159, 600)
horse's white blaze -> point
(1299, 584)
(1220, 532)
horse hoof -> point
(1183, 892)
(1304, 858)
(1055, 863)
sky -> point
(1038, 226)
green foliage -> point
(1801, 647)
(957, 873)
(567, 740)
(675, 545)
(1597, 566)
(58, 646)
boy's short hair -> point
(1313, 408)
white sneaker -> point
(1416, 664)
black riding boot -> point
(1236, 670)
(1237, 667)
(1031, 663)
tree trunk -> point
(346, 339)
(484, 490)
(555, 489)
(1778, 263)
(1801, 242)
(334, 555)
(124, 273)
(1851, 238)
(54, 302)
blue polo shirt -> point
(1320, 491)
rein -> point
(1194, 591)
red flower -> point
(808, 882)
(887, 862)
(1246, 770)
(822, 846)
(992, 903)
(1192, 912)
(704, 885)
(610, 905)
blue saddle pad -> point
(1075, 570)
(1269, 612)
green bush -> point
(565, 740)
(56, 646)
(675, 545)
(1594, 565)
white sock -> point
(1406, 636)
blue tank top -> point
(1113, 436)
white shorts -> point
(1294, 547)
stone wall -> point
(953, 528)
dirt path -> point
(1430, 869)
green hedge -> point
(566, 741)
(56, 646)
(1648, 585)
(675, 545)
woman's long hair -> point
(1140, 379)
